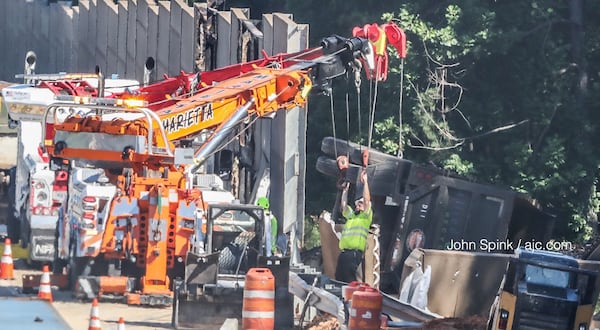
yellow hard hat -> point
(263, 202)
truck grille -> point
(539, 321)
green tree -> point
(500, 91)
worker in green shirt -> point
(264, 203)
(354, 235)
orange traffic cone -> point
(121, 324)
(6, 265)
(95, 316)
(45, 290)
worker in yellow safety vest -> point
(354, 234)
(264, 203)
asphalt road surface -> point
(74, 312)
(31, 314)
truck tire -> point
(13, 228)
(77, 266)
(58, 264)
(177, 283)
(329, 146)
(229, 258)
(382, 177)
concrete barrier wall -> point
(119, 36)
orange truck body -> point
(146, 231)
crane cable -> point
(373, 103)
(370, 111)
(375, 228)
(333, 123)
(400, 153)
(356, 69)
(347, 123)
(357, 83)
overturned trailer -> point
(422, 206)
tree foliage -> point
(502, 91)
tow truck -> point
(41, 196)
(80, 187)
(164, 168)
(38, 192)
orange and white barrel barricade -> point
(258, 307)
(45, 289)
(365, 309)
(348, 290)
(6, 263)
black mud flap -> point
(198, 303)
(201, 269)
(42, 245)
(211, 309)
